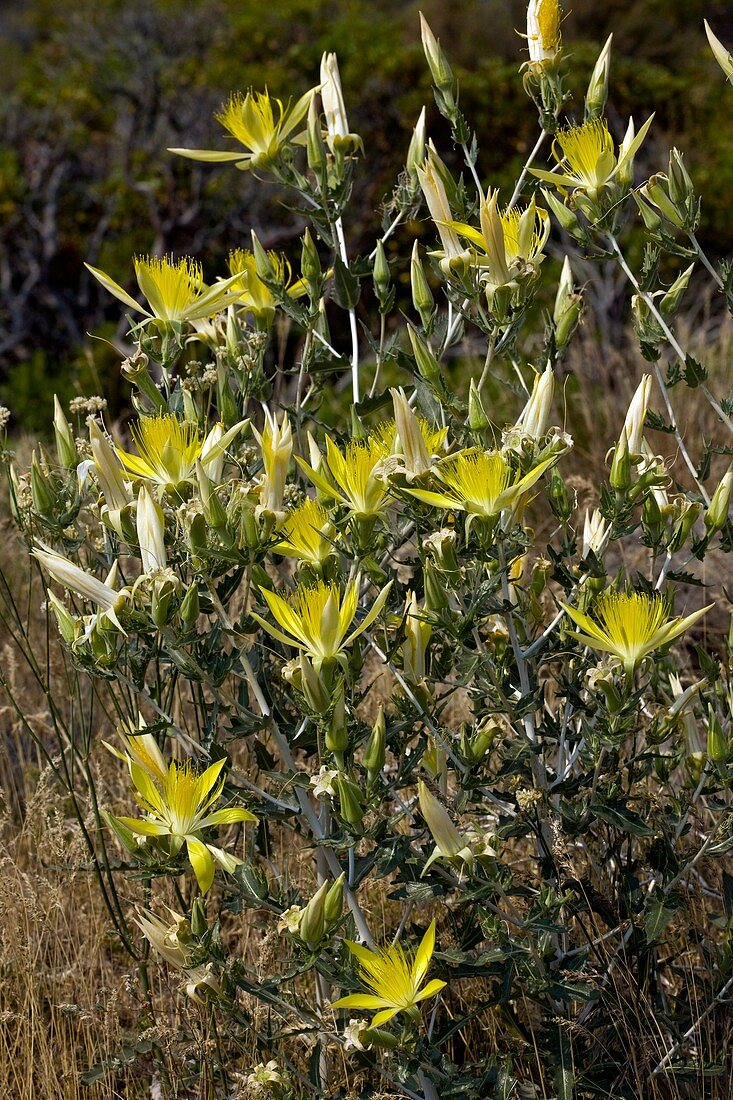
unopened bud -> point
(670, 303)
(376, 747)
(597, 94)
(65, 445)
(334, 903)
(422, 296)
(382, 277)
(313, 922)
(716, 516)
(620, 476)
(350, 800)
(440, 70)
(427, 365)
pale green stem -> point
(649, 301)
(525, 171)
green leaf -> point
(621, 818)
(658, 916)
(346, 289)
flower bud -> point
(315, 147)
(375, 749)
(689, 512)
(349, 800)
(44, 498)
(416, 151)
(636, 414)
(150, 524)
(65, 445)
(595, 534)
(477, 420)
(427, 365)
(440, 70)
(724, 59)
(313, 922)
(310, 264)
(560, 500)
(568, 308)
(620, 476)
(337, 733)
(422, 296)
(65, 621)
(597, 94)
(189, 610)
(535, 415)
(670, 302)
(565, 217)
(382, 277)
(334, 903)
(716, 515)
(199, 923)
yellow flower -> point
(276, 447)
(543, 32)
(480, 483)
(250, 120)
(630, 625)
(142, 748)
(509, 244)
(307, 534)
(253, 294)
(173, 941)
(179, 807)
(169, 448)
(354, 476)
(586, 158)
(316, 619)
(394, 977)
(175, 291)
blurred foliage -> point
(92, 94)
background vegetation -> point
(92, 94)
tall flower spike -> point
(250, 120)
(394, 978)
(630, 625)
(179, 808)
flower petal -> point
(202, 862)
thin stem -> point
(352, 318)
(525, 171)
(704, 260)
(649, 301)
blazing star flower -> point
(253, 294)
(104, 594)
(430, 174)
(480, 483)
(543, 32)
(630, 625)
(179, 807)
(307, 534)
(175, 290)
(250, 120)
(586, 158)
(168, 449)
(316, 619)
(276, 446)
(509, 244)
(395, 979)
(354, 475)
(172, 942)
(142, 748)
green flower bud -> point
(422, 296)
(620, 476)
(334, 904)
(65, 445)
(427, 365)
(313, 922)
(382, 277)
(478, 421)
(310, 264)
(671, 301)
(189, 610)
(716, 516)
(375, 750)
(350, 800)
(199, 923)
(597, 94)
(44, 498)
(718, 745)
(560, 501)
